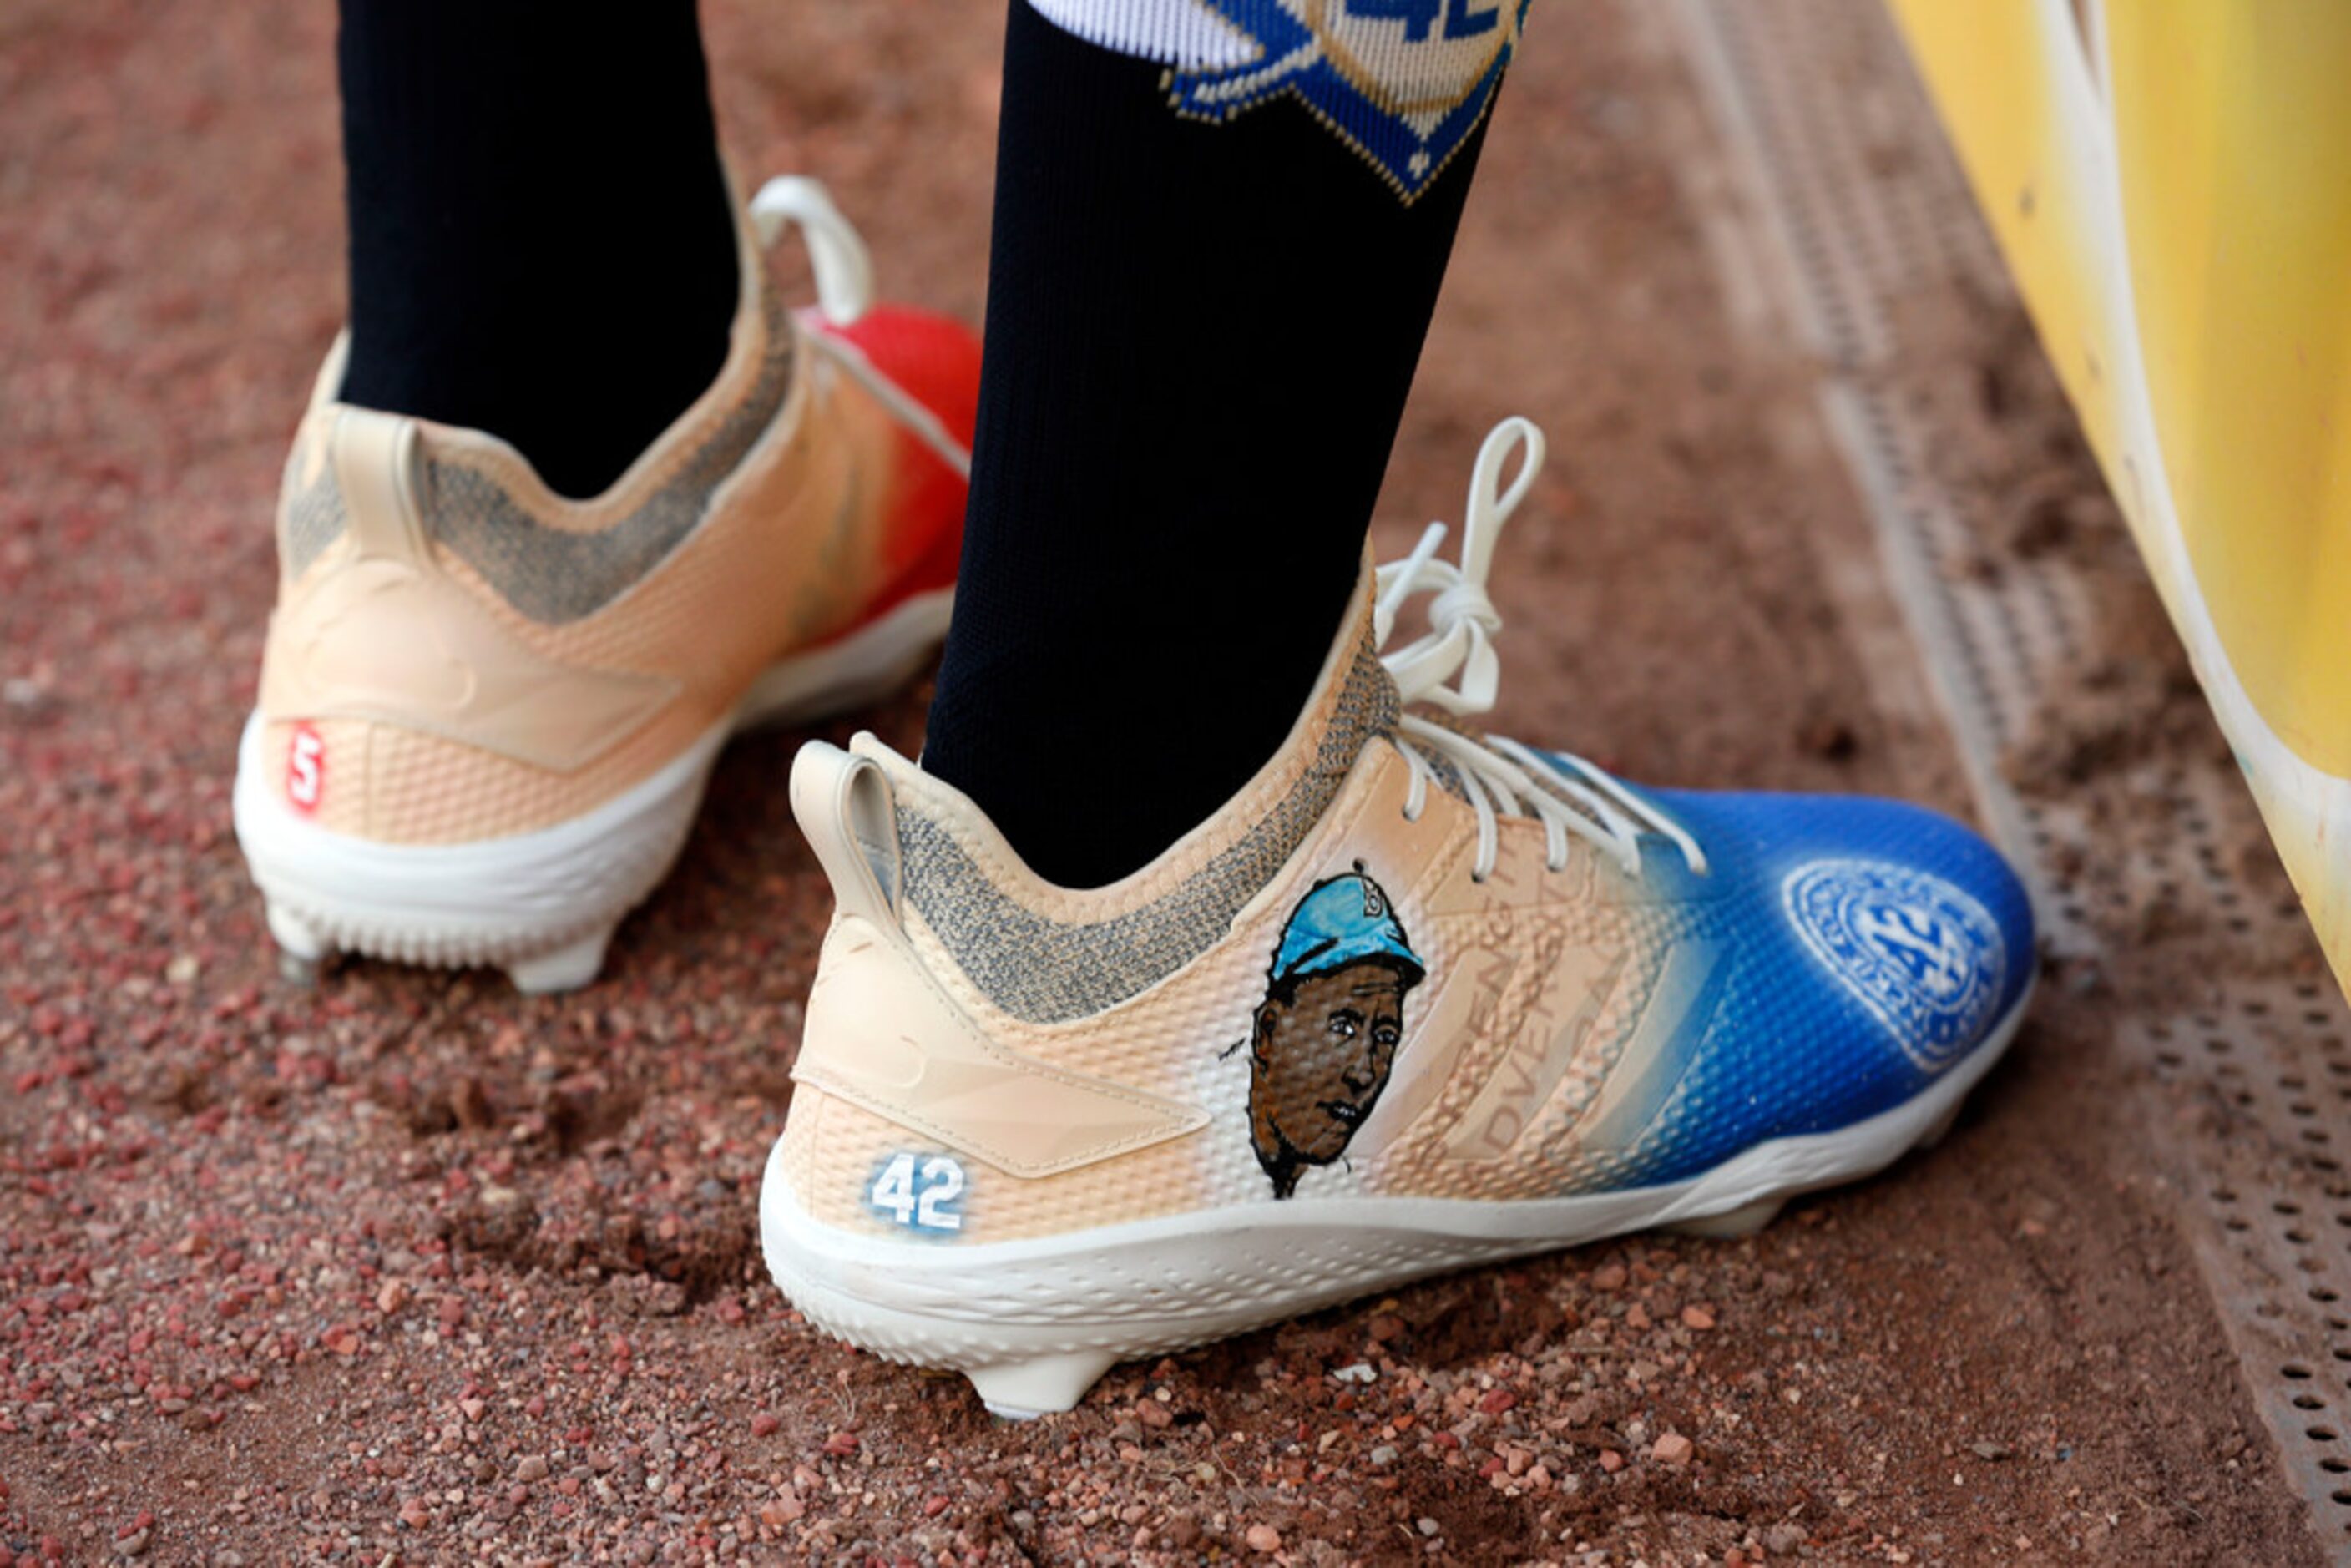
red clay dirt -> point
(409, 1269)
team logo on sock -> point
(1921, 953)
(1324, 1038)
(1404, 81)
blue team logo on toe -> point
(1920, 953)
(1404, 81)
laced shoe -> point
(1416, 997)
(488, 713)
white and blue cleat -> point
(1418, 997)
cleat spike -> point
(564, 968)
(1024, 1390)
(1934, 1136)
(296, 971)
(296, 937)
(1731, 1223)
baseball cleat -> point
(1418, 998)
(488, 712)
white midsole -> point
(1150, 1286)
(492, 900)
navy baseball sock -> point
(540, 240)
(1206, 298)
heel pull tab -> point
(374, 457)
(844, 806)
(884, 1035)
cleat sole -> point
(1033, 1322)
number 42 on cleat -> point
(920, 1194)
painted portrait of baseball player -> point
(1325, 1037)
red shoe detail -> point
(936, 360)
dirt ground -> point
(408, 1268)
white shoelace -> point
(844, 269)
(1499, 775)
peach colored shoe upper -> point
(460, 653)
